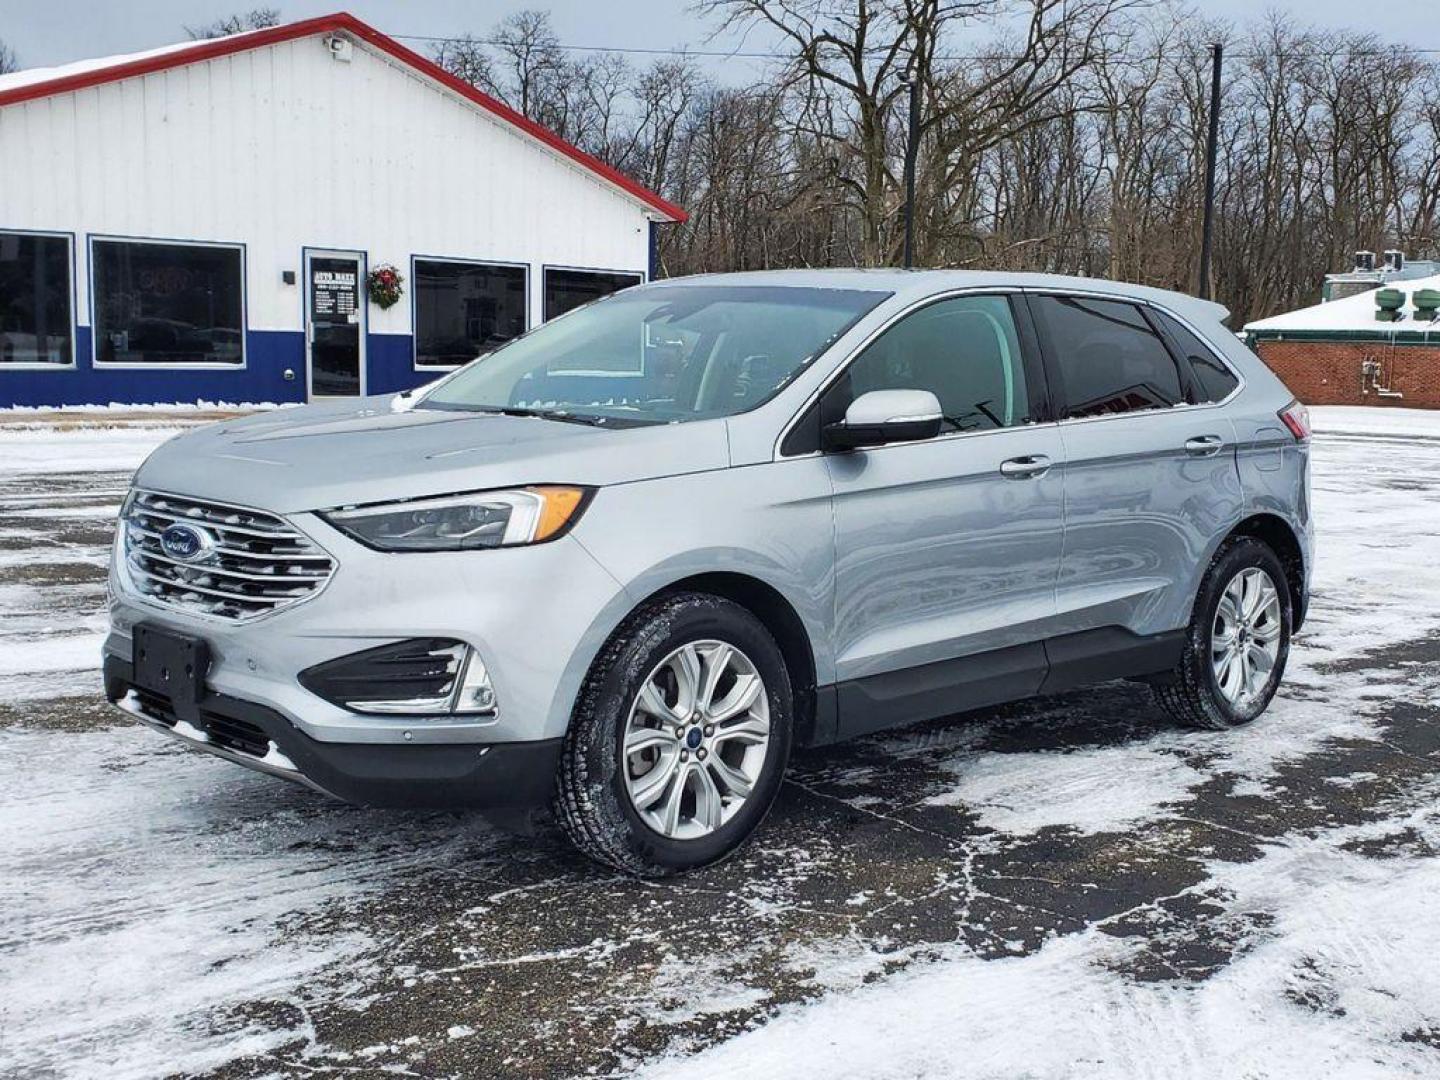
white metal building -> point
(197, 222)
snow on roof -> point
(36, 83)
(1351, 314)
(79, 68)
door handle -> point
(1204, 445)
(1025, 468)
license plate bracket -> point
(171, 665)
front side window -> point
(35, 317)
(465, 310)
(158, 303)
(660, 354)
(1110, 359)
(1213, 380)
(565, 290)
(965, 351)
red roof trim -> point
(342, 21)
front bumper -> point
(536, 616)
(506, 776)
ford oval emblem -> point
(186, 543)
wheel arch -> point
(1276, 533)
(779, 617)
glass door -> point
(334, 324)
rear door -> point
(1150, 482)
(947, 550)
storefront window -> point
(159, 303)
(464, 310)
(35, 318)
(567, 289)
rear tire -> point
(1237, 643)
(678, 743)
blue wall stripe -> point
(269, 353)
(391, 359)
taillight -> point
(1297, 418)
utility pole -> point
(911, 81)
(1212, 149)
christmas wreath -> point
(384, 284)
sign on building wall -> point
(333, 292)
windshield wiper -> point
(549, 414)
(558, 415)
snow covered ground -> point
(1064, 888)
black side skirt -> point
(898, 698)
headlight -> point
(486, 519)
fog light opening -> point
(437, 677)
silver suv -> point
(622, 565)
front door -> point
(947, 550)
(334, 324)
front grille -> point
(255, 562)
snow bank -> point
(121, 409)
(83, 449)
(1375, 420)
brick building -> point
(1340, 353)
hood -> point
(363, 451)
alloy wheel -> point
(1245, 637)
(696, 739)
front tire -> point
(679, 741)
(1237, 643)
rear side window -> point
(965, 351)
(1110, 359)
(1213, 380)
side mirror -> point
(886, 416)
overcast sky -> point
(48, 32)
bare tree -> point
(254, 19)
(851, 60)
(627, 118)
(533, 68)
(1071, 140)
(8, 60)
(467, 58)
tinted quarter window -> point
(34, 299)
(965, 351)
(463, 310)
(567, 289)
(167, 303)
(1213, 380)
(1110, 360)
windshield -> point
(683, 352)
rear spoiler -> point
(1209, 309)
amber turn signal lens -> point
(558, 507)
